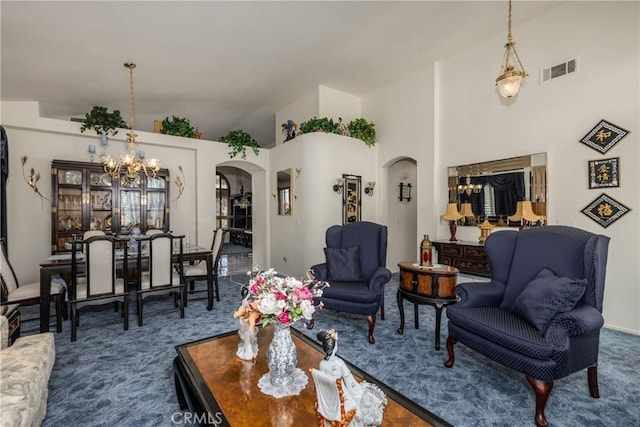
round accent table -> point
(435, 286)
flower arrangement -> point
(282, 299)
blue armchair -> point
(356, 256)
(541, 312)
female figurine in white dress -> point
(370, 400)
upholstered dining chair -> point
(27, 293)
(207, 270)
(540, 314)
(158, 274)
(355, 268)
(97, 283)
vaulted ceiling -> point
(228, 65)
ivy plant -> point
(238, 141)
(316, 124)
(102, 121)
(362, 129)
(178, 126)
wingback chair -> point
(540, 314)
(355, 267)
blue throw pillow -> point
(343, 264)
(547, 295)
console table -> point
(468, 257)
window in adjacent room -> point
(222, 201)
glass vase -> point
(282, 356)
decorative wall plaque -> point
(604, 173)
(605, 211)
(604, 136)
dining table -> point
(62, 263)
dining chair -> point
(207, 270)
(94, 279)
(158, 274)
(27, 294)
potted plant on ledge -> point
(238, 141)
(103, 122)
(178, 126)
(363, 130)
(316, 124)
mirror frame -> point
(281, 178)
(534, 166)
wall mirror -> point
(493, 189)
(284, 183)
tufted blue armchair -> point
(541, 312)
(356, 256)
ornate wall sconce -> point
(92, 151)
(405, 192)
(179, 181)
(297, 172)
(32, 180)
(368, 190)
(339, 185)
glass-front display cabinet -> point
(85, 197)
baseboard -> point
(619, 329)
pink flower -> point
(302, 293)
(284, 318)
(281, 296)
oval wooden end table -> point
(435, 286)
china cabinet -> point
(84, 197)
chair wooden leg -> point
(183, 298)
(140, 304)
(371, 319)
(125, 311)
(74, 322)
(452, 357)
(59, 308)
(592, 375)
(215, 282)
(382, 310)
(542, 390)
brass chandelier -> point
(509, 80)
(130, 160)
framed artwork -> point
(351, 198)
(605, 211)
(604, 173)
(604, 136)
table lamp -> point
(467, 212)
(452, 215)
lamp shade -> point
(527, 212)
(467, 212)
(452, 213)
(516, 217)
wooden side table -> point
(435, 286)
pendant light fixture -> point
(509, 80)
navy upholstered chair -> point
(540, 314)
(355, 267)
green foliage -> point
(362, 129)
(238, 141)
(315, 124)
(178, 126)
(103, 122)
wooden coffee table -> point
(220, 389)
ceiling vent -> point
(559, 70)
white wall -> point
(299, 111)
(403, 113)
(321, 158)
(402, 215)
(44, 139)
(477, 125)
(336, 104)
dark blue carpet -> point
(124, 378)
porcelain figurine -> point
(369, 400)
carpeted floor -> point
(124, 378)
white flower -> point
(307, 309)
(269, 305)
